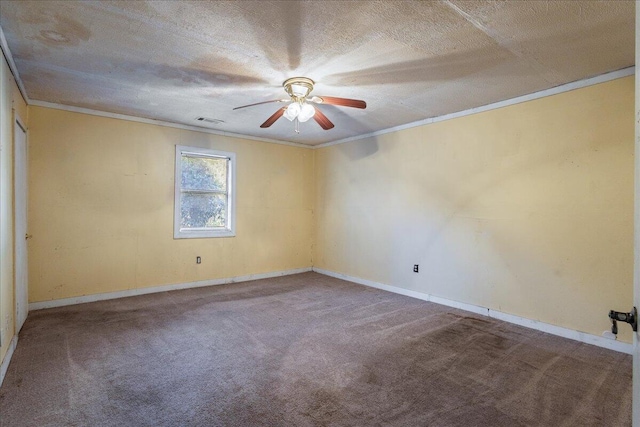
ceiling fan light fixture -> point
(292, 111)
(306, 112)
(300, 109)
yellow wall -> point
(101, 207)
(10, 99)
(527, 209)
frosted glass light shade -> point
(299, 90)
(306, 112)
(292, 111)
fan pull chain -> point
(297, 126)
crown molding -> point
(99, 113)
(14, 70)
(578, 84)
(12, 66)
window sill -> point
(203, 234)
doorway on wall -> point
(21, 236)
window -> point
(204, 194)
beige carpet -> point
(303, 350)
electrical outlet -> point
(198, 260)
(415, 268)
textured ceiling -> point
(410, 60)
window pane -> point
(204, 173)
(203, 210)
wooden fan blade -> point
(271, 120)
(343, 102)
(322, 120)
(260, 103)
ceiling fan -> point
(300, 109)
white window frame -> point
(189, 233)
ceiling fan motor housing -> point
(298, 87)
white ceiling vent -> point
(209, 120)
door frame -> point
(18, 124)
(636, 232)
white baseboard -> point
(484, 311)
(7, 358)
(164, 288)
